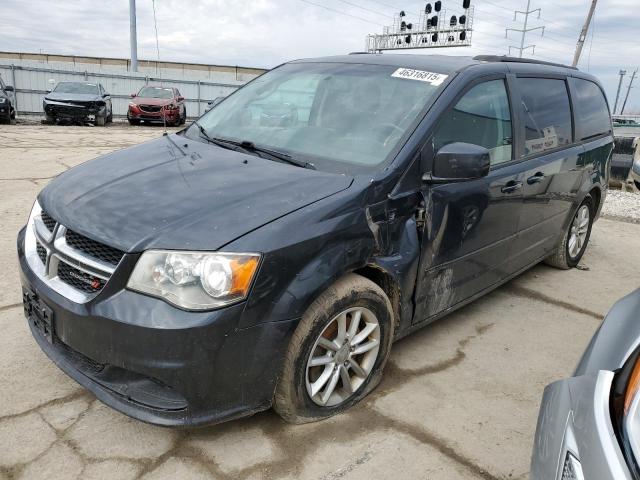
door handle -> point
(511, 187)
(537, 178)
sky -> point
(265, 33)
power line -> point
(367, 9)
(342, 13)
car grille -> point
(78, 279)
(83, 264)
(49, 222)
(150, 108)
(572, 469)
(42, 252)
(95, 249)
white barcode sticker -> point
(434, 79)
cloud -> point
(265, 33)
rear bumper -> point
(575, 420)
(157, 363)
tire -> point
(49, 119)
(6, 119)
(348, 296)
(562, 257)
(133, 121)
(110, 117)
(183, 120)
(101, 121)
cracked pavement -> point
(459, 399)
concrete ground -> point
(459, 400)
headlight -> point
(2, 99)
(133, 105)
(195, 280)
(625, 409)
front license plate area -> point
(38, 314)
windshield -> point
(341, 117)
(155, 92)
(67, 87)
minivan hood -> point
(177, 193)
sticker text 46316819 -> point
(434, 79)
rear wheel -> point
(337, 353)
(575, 240)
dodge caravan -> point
(270, 253)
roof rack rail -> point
(504, 58)
(359, 53)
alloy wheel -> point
(579, 231)
(343, 356)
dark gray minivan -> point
(270, 253)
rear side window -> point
(547, 114)
(592, 112)
(481, 117)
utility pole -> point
(583, 33)
(133, 37)
(633, 77)
(524, 30)
(622, 74)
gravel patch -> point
(621, 205)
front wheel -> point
(575, 240)
(337, 353)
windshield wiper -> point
(280, 156)
(216, 141)
(251, 147)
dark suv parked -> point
(270, 253)
(78, 102)
(7, 110)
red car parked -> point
(157, 104)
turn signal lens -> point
(632, 388)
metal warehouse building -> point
(32, 74)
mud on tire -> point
(292, 400)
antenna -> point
(155, 25)
(524, 30)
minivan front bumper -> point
(155, 362)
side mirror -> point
(48, 90)
(180, 98)
(105, 95)
(134, 95)
(459, 162)
(9, 88)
